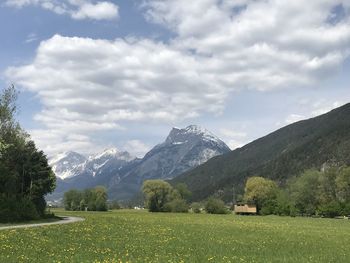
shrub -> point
(215, 206)
(176, 206)
(196, 208)
(331, 209)
(114, 205)
(15, 210)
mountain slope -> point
(278, 156)
(96, 170)
(123, 175)
(182, 150)
(67, 164)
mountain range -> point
(123, 174)
(313, 143)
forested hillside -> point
(313, 143)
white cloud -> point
(31, 38)
(294, 118)
(57, 141)
(232, 133)
(136, 147)
(77, 9)
(324, 106)
(313, 109)
(233, 144)
(219, 47)
(233, 137)
(99, 11)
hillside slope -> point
(280, 155)
(182, 150)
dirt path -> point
(65, 220)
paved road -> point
(65, 220)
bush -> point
(27, 210)
(331, 209)
(16, 210)
(346, 210)
(114, 205)
(196, 208)
(176, 206)
(215, 206)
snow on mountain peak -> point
(113, 153)
(66, 164)
(179, 136)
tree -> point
(101, 198)
(25, 176)
(343, 185)
(156, 194)
(92, 199)
(259, 191)
(183, 191)
(215, 206)
(304, 192)
(176, 206)
(72, 200)
(327, 185)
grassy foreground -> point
(139, 236)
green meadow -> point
(140, 236)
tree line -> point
(323, 193)
(313, 193)
(160, 196)
(25, 176)
(89, 199)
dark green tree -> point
(261, 191)
(25, 176)
(215, 206)
(304, 192)
(157, 194)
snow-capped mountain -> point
(68, 164)
(123, 174)
(89, 172)
(182, 150)
(113, 158)
(71, 164)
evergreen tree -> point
(25, 176)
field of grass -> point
(139, 236)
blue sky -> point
(98, 74)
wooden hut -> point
(245, 209)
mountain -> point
(67, 164)
(313, 143)
(90, 172)
(182, 150)
(123, 174)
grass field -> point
(139, 236)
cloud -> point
(313, 109)
(294, 118)
(136, 147)
(31, 38)
(323, 106)
(219, 47)
(233, 138)
(57, 141)
(77, 9)
(232, 133)
(99, 11)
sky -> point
(121, 73)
